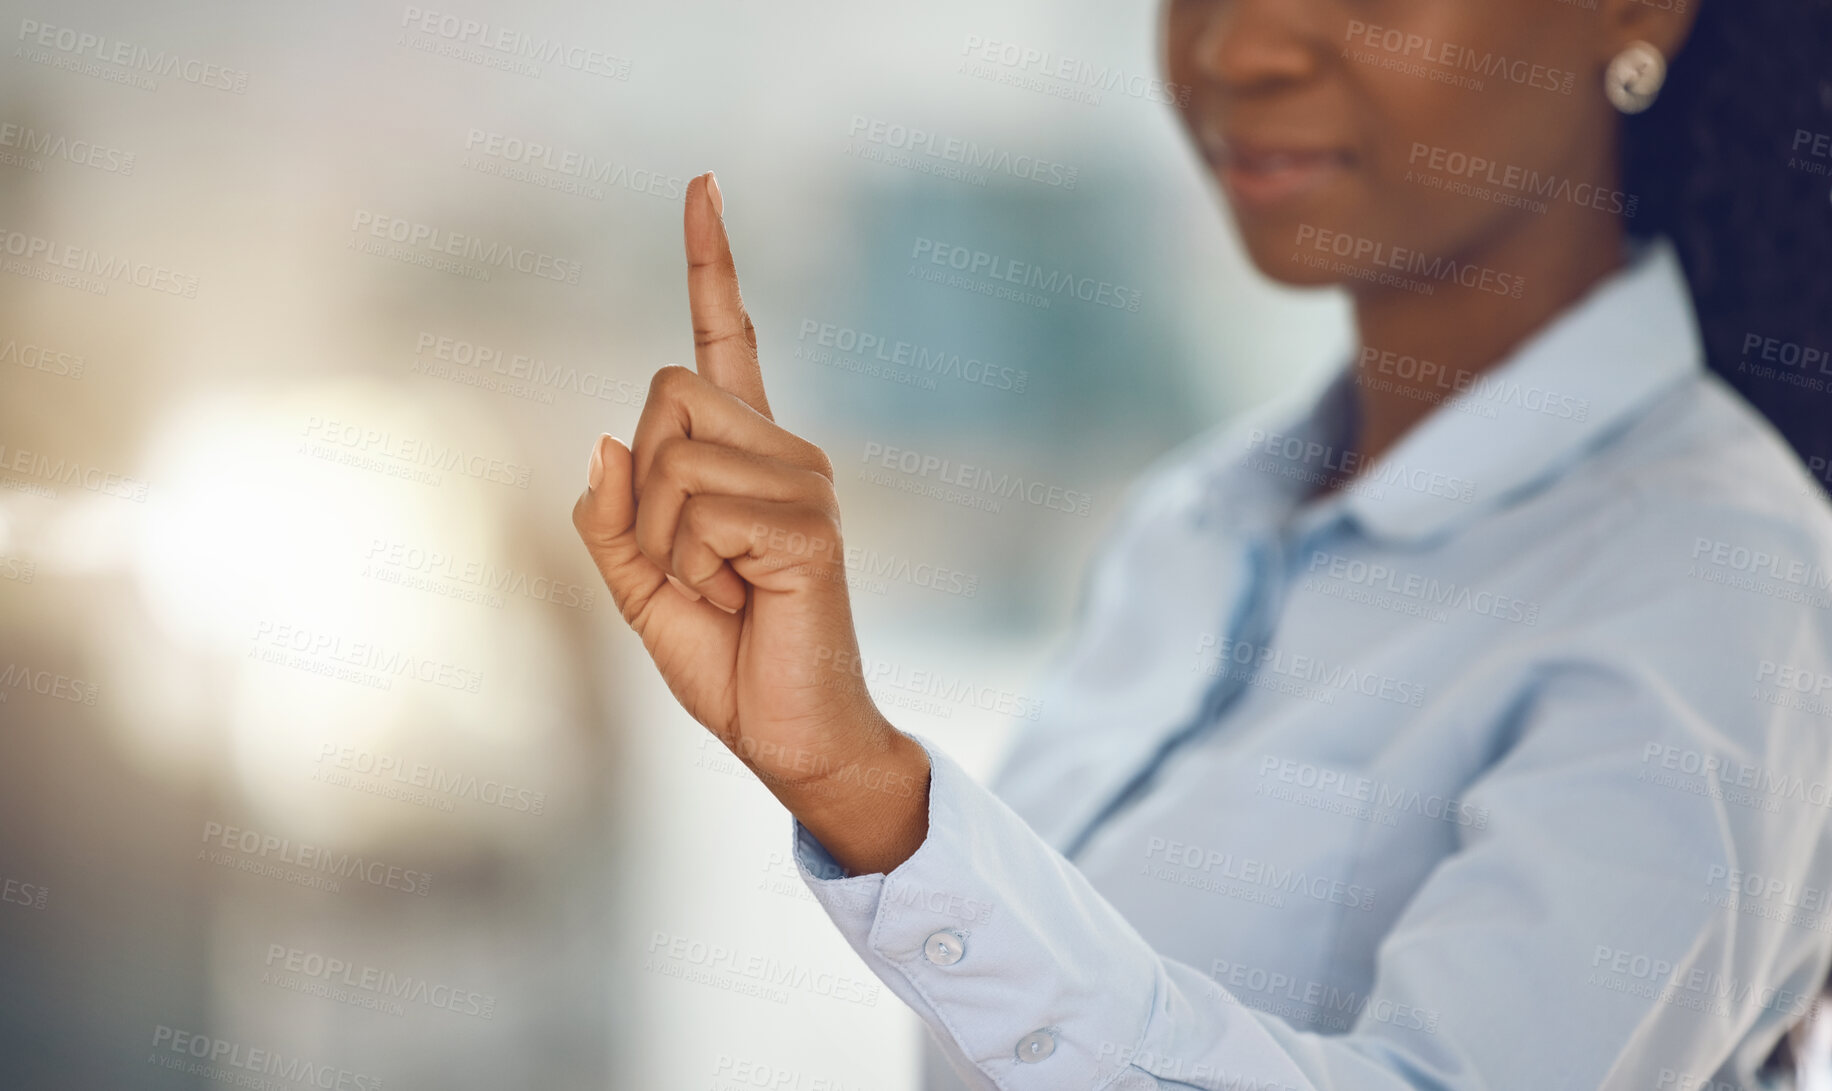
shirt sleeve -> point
(1590, 936)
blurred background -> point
(324, 757)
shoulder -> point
(1705, 470)
(1694, 546)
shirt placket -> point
(1252, 625)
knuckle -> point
(817, 487)
(659, 554)
(670, 382)
(695, 517)
(823, 498)
(591, 529)
(815, 517)
(821, 463)
(668, 456)
(717, 330)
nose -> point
(1254, 46)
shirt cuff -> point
(1026, 977)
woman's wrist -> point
(871, 811)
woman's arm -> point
(1571, 944)
(1578, 941)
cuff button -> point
(944, 948)
(1036, 1046)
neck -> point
(1417, 351)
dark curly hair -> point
(1732, 163)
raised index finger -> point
(724, 341)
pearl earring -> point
(1635, 77)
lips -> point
(1264, 175)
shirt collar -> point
(1579, 380)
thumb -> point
(605, 517)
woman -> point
(1463, 730)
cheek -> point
(1496, 86)
(1429, 141)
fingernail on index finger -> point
(712, 191)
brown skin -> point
(1272, 72)
(755, 636)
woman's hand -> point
(718, 534)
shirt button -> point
(1035, 1046)
(944, 948)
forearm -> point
(871, 813)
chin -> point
(1274, 251)
(1273, 234)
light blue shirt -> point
(1506, 767)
